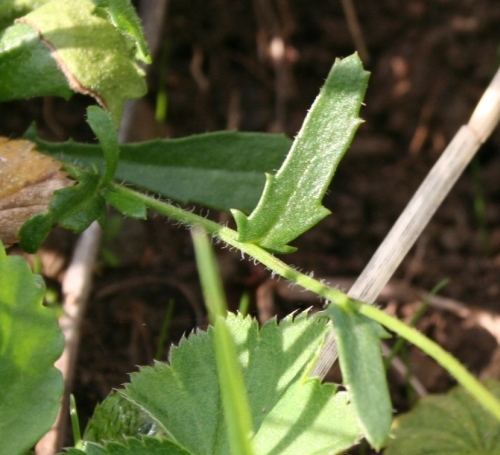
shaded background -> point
(257, 66)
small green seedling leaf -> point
(103, 127)
(117, 419)
(360, 358)
(220, 170)
(454, 423)
(291, 201)
(30, 343)
(123, 16)
(73, 208)
(129, 206)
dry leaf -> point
(27, 182)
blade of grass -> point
(411, 394)
(164, 329)
(208, 269)
(415, 318)
(75, 424)
(162, 96)
(244, 303)
(480, 208)
(234, 397)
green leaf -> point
(102, 125)
(360, 358)
(117, 419)
(12, 9)
(331, 422)
(122, 15)
(30, 343)
(73, 208)
(126, 205)
(220, 170)
(26, 66)
(91, 52)
(184, 397)
(454, 423)
(146, 446)
(89, 449)
(291, 201)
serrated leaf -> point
(331, 422)
(363, 372)
(220, 170)
(454, 423)
(291, 201)
(102, 125)
(272, 360)
(30, 343)
(122, 15)
(73, 208)
(116, 419)
(91, 52)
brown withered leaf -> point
(27, 182)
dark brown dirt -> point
(430, 61)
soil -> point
(430, 62)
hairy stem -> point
(229, 236)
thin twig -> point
(76, 289)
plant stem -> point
(445, 359)
(229, 236)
